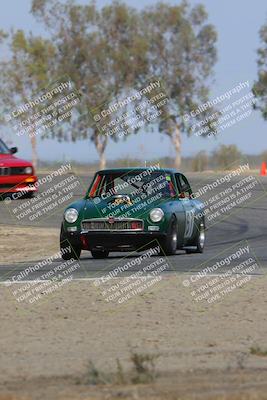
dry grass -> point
(257, 351)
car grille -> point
(4, 171)
(117, 225)
(6, 185)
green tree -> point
(23, 74)
(104, 53)
(200, 161)
(260, 86)
(264, 156)
(110, 51)
(226, 155)
(3, 35)
(182, 53)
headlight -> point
(71, 215)
(156, 214)
(28, 170)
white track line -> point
(97, 279)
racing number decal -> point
(189, 223)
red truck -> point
(17, 176)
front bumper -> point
(18, 183)
(116, 241)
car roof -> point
(137, 169)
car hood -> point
(8, 160)
(102, 210)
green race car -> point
(134, 209)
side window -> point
(183, 186)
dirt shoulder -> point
(19, 244)
(202, 351)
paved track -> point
(246, 224)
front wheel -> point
(29, 195)
(199, 241)
(169, 245)
(99, 253)
(67, 250)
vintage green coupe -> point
(134, 209)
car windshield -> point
(3, 148)
(132, 184)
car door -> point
(185, 193)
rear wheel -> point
(67, 250)
(169, 244)
(100, 253)
(199, 241)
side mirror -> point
(13, 150)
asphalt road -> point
(244, 224)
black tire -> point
(169, 244)
(4, 197)
(29, 195)
(100, 253)
(68, 251)
(199, 242)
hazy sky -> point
(237, 23)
